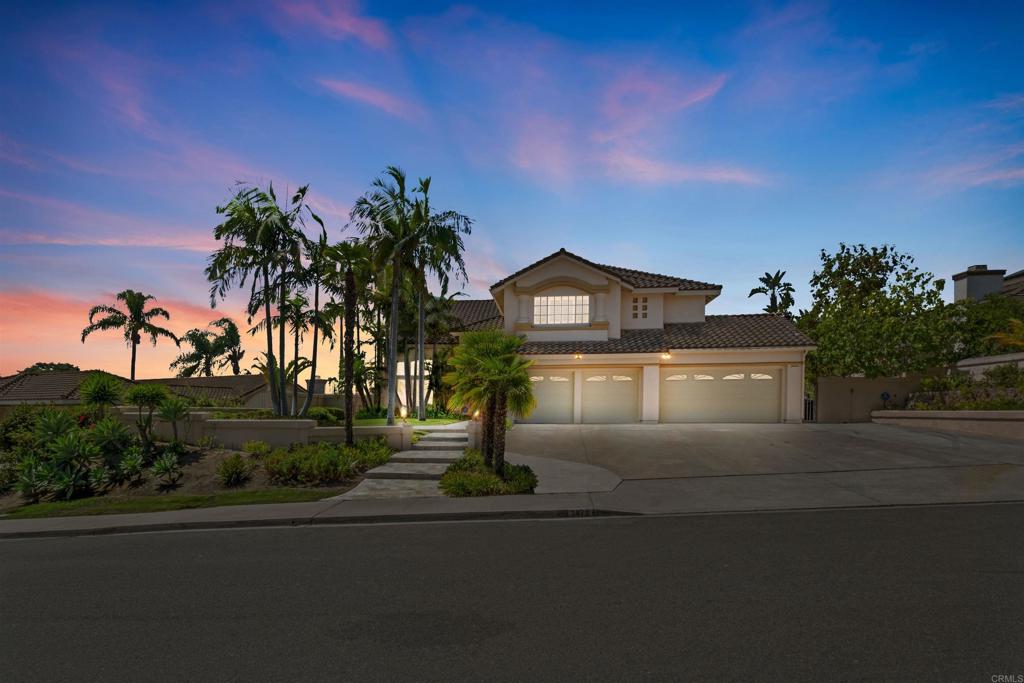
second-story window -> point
(561, 310)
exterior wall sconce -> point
(403, 412)
(578, 356)
(665, 355)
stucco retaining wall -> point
(852, 399)
(1004, 424)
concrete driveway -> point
(714, 450)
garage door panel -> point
(553, 392)
(611, 395)
(720, 394)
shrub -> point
(67, 470)
(17, 427)
(468, 476)
(111, 437)
(32, 480)
(147, 397)
(1006, 376)
(233, 470)
(100, 477)
(206, 443)
(100, 390)
(371, 413)
(323, 463)
(8, 470)
(132, 463)
(261, 414)
(167, 469)
(953, 382)
(326, 417)
(51, 424)
(257, 449)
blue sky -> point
(712, 141)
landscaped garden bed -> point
(1000, 388)
(470, 476)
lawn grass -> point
(103, 505)
(429, 422)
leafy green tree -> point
(100, 390)
(874, 312)
(978, 326)
(1013, 338)
(779, 292)
(37, 368)
(135, 320)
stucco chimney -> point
(976, 283)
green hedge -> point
(320, 464)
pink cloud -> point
(70, 223)
(997, 167)
(628, 166)
(374, 97)
(543, 147)
(336, 19)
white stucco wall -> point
(684, 309)
(655, 313)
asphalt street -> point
(900, 594)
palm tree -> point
(780, 293)
(1012, 338)
(384, 215)
(438, 252)
(135, 320)
(353, 259)
(200, 360)
(229, 345)
(489, 375)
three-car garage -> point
(685, 393)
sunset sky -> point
(713, 141)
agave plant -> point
(111, 436)
(32, 479)
(166, 469)
(52, 424)
(132, 462)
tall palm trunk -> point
(281, 374)
(396, 273)
(377, 366)
(408, 380)
(316, 336)
(421, 404)
(135, 346)
(487, 431)
(275, 396)
(350, 322)
(295, 375)
(498, 434)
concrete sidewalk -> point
(691, 495)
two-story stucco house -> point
(617, 345)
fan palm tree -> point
(489, 375)
(135, 320)
(780, 293)
(353, 259)
(201, 359)
(229, 345)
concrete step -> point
(384, 489)
(426, 456)
(445, 436)
(408, 470)
(422, 445)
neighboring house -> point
(977, 282)
(248, 391)
(618, 345)
(44, 388)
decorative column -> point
(600, 306)
(650, 410)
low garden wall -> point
(232, 433)
(1004, 424)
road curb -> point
(333, 520)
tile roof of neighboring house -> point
(634, 278)
(717, 332)
(216, 388)
(473, 314)
(1013, 284)
(44, 387)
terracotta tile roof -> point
(44, 387)
(1013, 284)
(216, 388)
(634, 278)
(474, 314)
(717, 332)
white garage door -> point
(553, 391)
(716, 394)
(611, 395)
